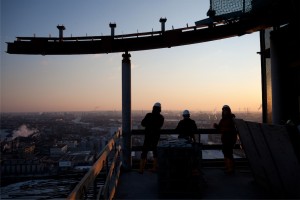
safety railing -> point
(108, 162)
(106, 37)
(199, 133)
(216, 161)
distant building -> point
(75, 160)
(13, 167)
(58, 150)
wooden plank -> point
(252, 152)
(265, 158)
(271, 157)
(284, 156)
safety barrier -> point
(109, 161)
(172, 132)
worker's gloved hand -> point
(215, 125)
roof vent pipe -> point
(163, 21)
(61, 32)
(112, 27)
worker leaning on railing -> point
(152, 122)
(187, 127)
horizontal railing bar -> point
(173, 132)
(203, 147)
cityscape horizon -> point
(133, 111)
(41, 150)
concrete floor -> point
(214, 184)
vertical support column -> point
(126, 111)
(263, 76)
(277, 113)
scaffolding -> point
(221, 7)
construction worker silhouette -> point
(227, 129)
(186, 127)
(152, 122)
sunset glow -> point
(199, 77)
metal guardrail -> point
(107, 191)
(105, 37)
(199, 133)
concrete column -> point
(277, 111)
(126, 111)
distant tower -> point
(112, 27)
(162, 21)
(61, 32)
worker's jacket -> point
(186, 128)
(227, 125)
(153, 123)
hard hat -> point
(225, 107)
(185, 112)
(157, 104)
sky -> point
(198, 77)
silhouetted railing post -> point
(126, 111)
(264, 88)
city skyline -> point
(198, 77)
